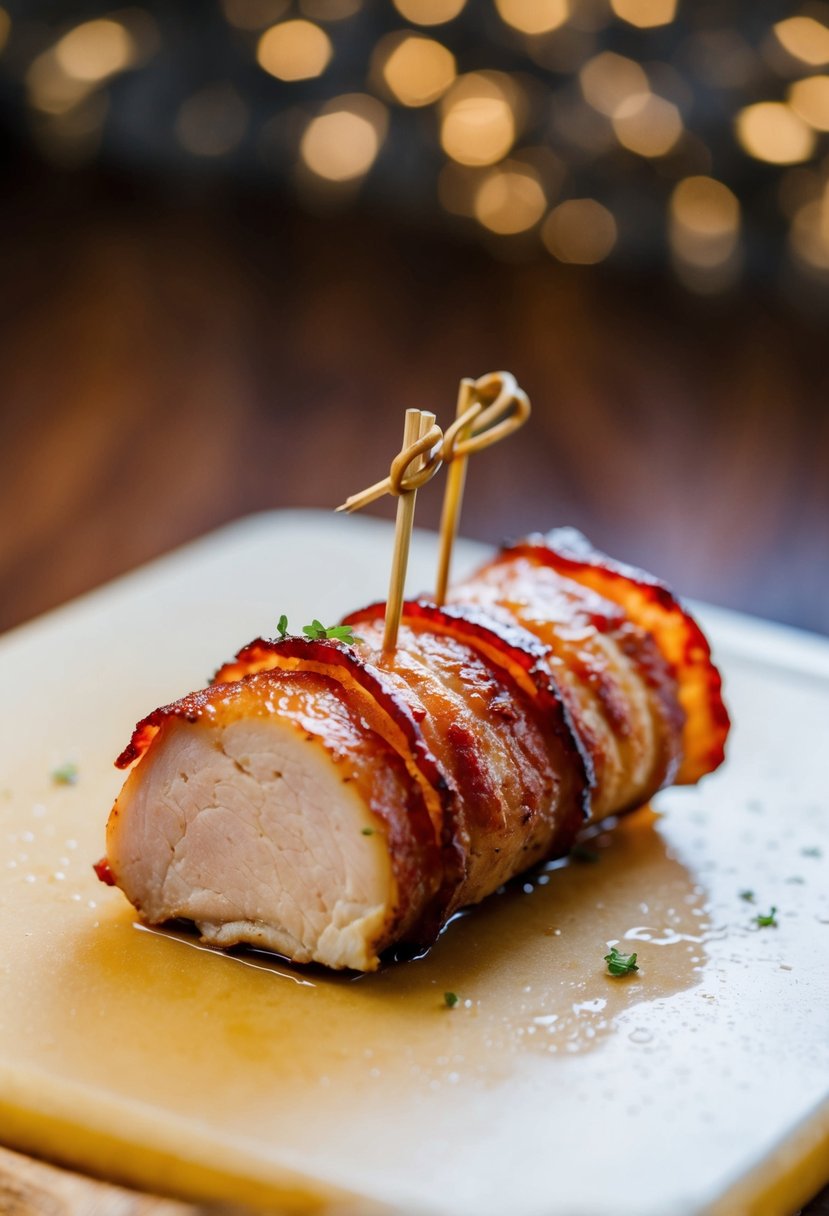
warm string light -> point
(294, 50)
(647, 124)
(809, 237)
(81, 60)
(804, 38)
(610, 82)
(342, 142)
(533, 16)
(704, 230)
(645, 14)
(512, 142)
(580, 231)
(773, 132)
(95, 50)
(510, 199)
(429, 12)
(809, 99)
(415, 69)
(478, 122)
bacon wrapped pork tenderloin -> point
(329, 801)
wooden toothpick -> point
(453, 495)
(477, 425)
(417, 426)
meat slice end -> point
(254, 830)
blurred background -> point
(240, 237)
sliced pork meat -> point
(268, 811)
(328, 801)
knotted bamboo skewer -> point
(419, 436)
(491, 423)
(477, 425)
(402, 479)
(411, 468)
(488, 409)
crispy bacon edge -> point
(343, 664)
(650, 604)
(504, 646)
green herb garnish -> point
(67, 774)
(340, 633)
(450, 999)
(282, 626)
(620, 964)
(768, 920)
(368, 831)
(748, 896)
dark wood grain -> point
(170, 364)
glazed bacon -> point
(330, 801)
(583, 604)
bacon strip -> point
(652, 606)
(556, 686)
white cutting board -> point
(700, 1084)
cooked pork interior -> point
(247, 827)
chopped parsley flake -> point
(620, 964)
(316, 631)
(368, 831)
(67, 774)
(748, 896)
(340, 633)
(450, 999)
(767, 920)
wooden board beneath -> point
(701, 1084)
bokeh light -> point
(810, 232)
(429, 12)
(478, 123)
(804, 38)
(342, 142)
(809, 99)
(645, 14)
(49, 89)
(95, 50)
(580, 231)
(63, 76)
(294, 50)
(610, 81)
(533, 16)
(648, 125)
(704, 229)
(771, 131)
(212, 122)
(510, 199)
(626, 98)
(416, 70)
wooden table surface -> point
(173, 359)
